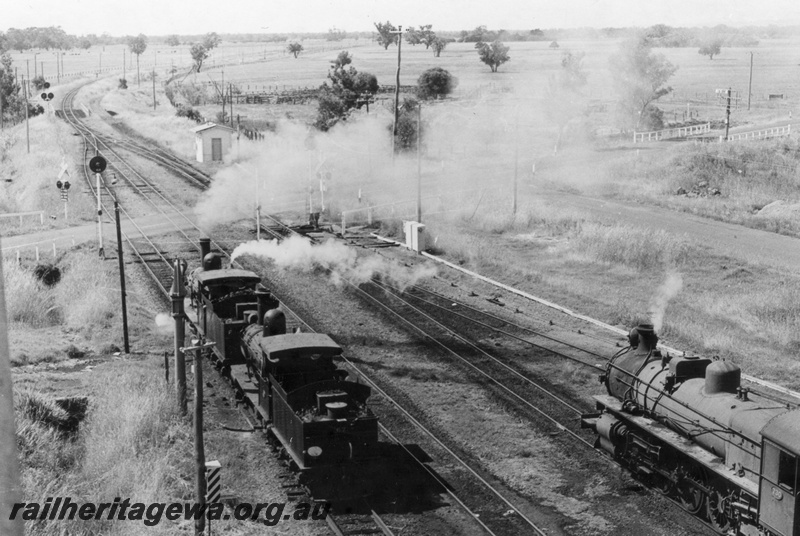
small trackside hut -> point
(212, 142)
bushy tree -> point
(640, 77)
(438, 45)
(710, 49)
(426, 35)
(413, 36)
(493, 55)
(38, 82)
(435, 83)
(211, 41)
(407, 132)
(385, 35)
(348, 90)
(13, 101)
(294, 48)
(199, 54)
(173, 40)
(335, 34)
(138, 45)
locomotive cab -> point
(780, 475)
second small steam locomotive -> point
(290, 379)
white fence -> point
(670, 133)
(20, 215)
(763, 134)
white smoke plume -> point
(668, 290)
(297, 253)
(165, 323)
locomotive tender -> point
(687, 426)
(320, 418)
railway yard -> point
(479, 389)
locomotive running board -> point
(678, 442)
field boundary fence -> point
(21, 215)
(765, 133)
(671, 133)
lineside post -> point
(199, 449)
(177, 293)
(10, 489)
(99, 219)
(121, 281)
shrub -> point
(435, 83)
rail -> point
(763, 134)
(671, 133)
(22, 214)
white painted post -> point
(37, 253)
(54, 249)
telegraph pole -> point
(399, 33)
(177, 293)
(122, 281)
(154, 88)
(728, 115)
(10, 488)
(27, 127)
(750, 85)
(516, 165)
(419, 164)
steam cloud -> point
(299, 254)
(164, 323)
(668, 290)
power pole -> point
(516, 165)
(10, 488)
(419, 164)
(199, 449)
(230, 93)
(177, 293)
(122, 281)
(750, 85)
(399, 33)
(27, 127)
(728, 115)
(99, 218)
(124, 67)
(154, 88)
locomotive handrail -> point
(661, 392)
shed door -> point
(216, 149)
(779, 488)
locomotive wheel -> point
(717, 512)
(665, 485)
(692, 499)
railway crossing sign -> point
(97, 164)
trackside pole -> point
(10, 489)
(199, 449)
(121, 281)
(177, 294)
(99, 220)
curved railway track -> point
(158, 266)
(488, 510)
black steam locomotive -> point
(290, 379)
(686, 425)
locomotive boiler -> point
(688, 427)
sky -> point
(183, 17)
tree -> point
(493, 55)
(710, 49)
(173, 40)
(335, 34)
(349, 89)
(640, 78)
(435, 83)
(385, 35)
(413, 36)
(565, 97)
(199, 54)
(295, 48)
(86, 43)
(427, 35)
(11, 98)
(407, 131)
(438, 45)
(211, 41)
(342, 60)
(138, 45)
(554, 44)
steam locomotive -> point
(290, 379)
(686, 425)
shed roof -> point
(210, 125)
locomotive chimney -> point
(643, 337)
(205, 248)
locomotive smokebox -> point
(205, 248)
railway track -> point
(157, 264)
